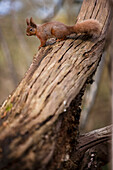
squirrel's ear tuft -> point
(32, 23)
(31, 20)
(27, 21)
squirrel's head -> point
(31, 27)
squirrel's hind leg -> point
(60, 36)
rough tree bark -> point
(39, 121)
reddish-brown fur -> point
(60, 30)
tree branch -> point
(93, 149)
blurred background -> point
(17, 51)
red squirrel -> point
(60, 30)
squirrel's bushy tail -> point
(90, 27)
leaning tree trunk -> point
(39, 121)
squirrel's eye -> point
(31, 29)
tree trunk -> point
(39, 121)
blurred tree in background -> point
(14, 43)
